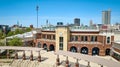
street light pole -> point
(37, 8)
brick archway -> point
(52, 47)
(73, 49)
(39, 45)
(107, 51)
(45, 46)
(95, 51)
(84, 50)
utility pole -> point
(37, 8)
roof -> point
(94, 59)
(24, 35)
(118, 42)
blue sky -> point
(55, 11)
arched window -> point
(45, 46)
(84, 50)
(51, 47)
(95, 51)
(39, 45)
(73, 49)
(107, 51)
(108, 39)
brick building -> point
(75, 39)
(115, 51)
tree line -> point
(14, 41)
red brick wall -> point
(102, 47)
(48, 43)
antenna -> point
(37, 8)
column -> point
(16, 55)
(76, 64)
(8, 54)
(39, 56)
(45, 36)
(79, 38)
(89, 38)
(24, 57)
(67, 62)
(57, 61)
(31, 56)
(88, 64)
(51, 37)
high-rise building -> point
(91, 23)
(106, 17)
(77, 22)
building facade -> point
(115, 52)
(77, 21)
(106, 17)
(85, 41)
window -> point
(61, 39)
(60, 43)
(71, 38)
(61, 46)
(54, 37)
(93, 38)
(82, 38)
(48, 36)
(86, 39)
(43, 36)
(108, 39)
(76, 38)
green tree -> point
(21, 31)
(2, 35)
(10, 33)
(28, 29)
(15, 42)
(16, 31)
(1, 44)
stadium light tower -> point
(37, 8)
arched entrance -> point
(51, 47)
(84, 50)
(73, 49)
(39, 45)
(45, 46)
(107, 51)
(95, 51)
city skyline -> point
(24, 11)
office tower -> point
(106, 17)
(77, 21)
(91, 22)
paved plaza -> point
(49, 60)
